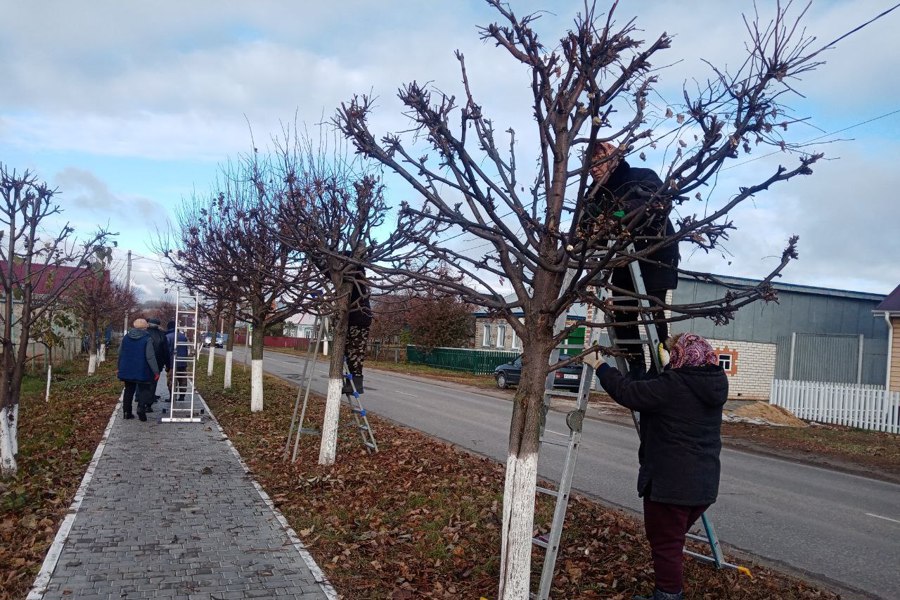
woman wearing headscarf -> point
(681, 420)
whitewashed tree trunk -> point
(102, 355)
(49, 379)
(518, 526)
(229, 361)
(328, 449)
(92, 364)
(211, 364)
(256, 385)
(9, 445)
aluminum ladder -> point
(359, 413)
(186, 314)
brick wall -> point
(751, 369)
(894, 373)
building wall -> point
(894, 384)
(750, 367)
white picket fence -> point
(862, 406)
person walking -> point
(138, 369)
(681, 422)
(160, 349)
(629, 195)
(176, 368)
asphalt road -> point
(835, 527)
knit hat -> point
(691, 350)
(140, 324)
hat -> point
(154, 321)
(170, 325)
(140, 324)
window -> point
(501, 336)
(486, 335)
(728, 360)
(514, 340)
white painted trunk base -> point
(102, 356)
(211, 364)
(8, 443)
(49, 379)
(92, 364)
(328, 449)
(229, 361)
(518, 527)
(256, 385)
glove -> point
(156, 377)
(663, 355)
(593, 359)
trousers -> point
(666, 526)
(141, 392)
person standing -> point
(629, 195)
(160, 348)
(358, 323)
(176, 368)
(138, 369)
(681, 422)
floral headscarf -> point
(691, 350)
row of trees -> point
(284, 230)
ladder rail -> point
(187, 308)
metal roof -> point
(891, 304)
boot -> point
(347, 388)
(358, 382)
(129, 415)
(661, 595)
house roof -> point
(794, 287)
(47, 279)
(891, 304)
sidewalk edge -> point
(319, 575)
(39, 587)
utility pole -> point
(128, 288)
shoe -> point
(347, 388)
(142, 416)
(358, 382)
(661, 595)
(129, 415)
(149, 408)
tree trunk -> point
(92, 348)
(212, 345)
(328, 449)
(229, 348)
(256, 369)
(521, 468)
(49, 377)
(102, 354)
(8, 442)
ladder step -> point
(305, 431)
(547, 491)
(562, 394)
(697, 537)
(369, 445)
(540, 540)
(552, 443)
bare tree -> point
(98, 302)
(37, 265)
(552, 243)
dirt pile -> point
(762, 413)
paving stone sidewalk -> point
(171, 513)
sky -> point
(128, 107)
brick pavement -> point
(171, 513)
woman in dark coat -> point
(681, 421)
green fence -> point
(478, 362)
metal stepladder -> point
(360, 416)
(182, 381)
(574, 420)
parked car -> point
(220, 340)
(508, 374)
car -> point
(220, 340)
(508, 374)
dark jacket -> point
(137, 361)
(681, 421)
(360, 307)
(160, 348)
(181, 352)
(629, 189)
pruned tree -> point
(39, 260)
(225, 245)
(593, 87)
(389, 319)
(331, 218)
(440, 320)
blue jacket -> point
(137, 361)
(182, 350)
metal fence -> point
(478, 362)
(863, 406)
(827, 357)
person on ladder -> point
(621, 190)
(681, 422)
(358, 323)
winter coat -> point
(628, 189)
(160, 348)
(360, 307)
(681, 421)
(137, 360)
(181, 352)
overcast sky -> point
(127, 107)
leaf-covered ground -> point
(420, 519)
(56, 443)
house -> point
(889, 310)
(494, 333)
